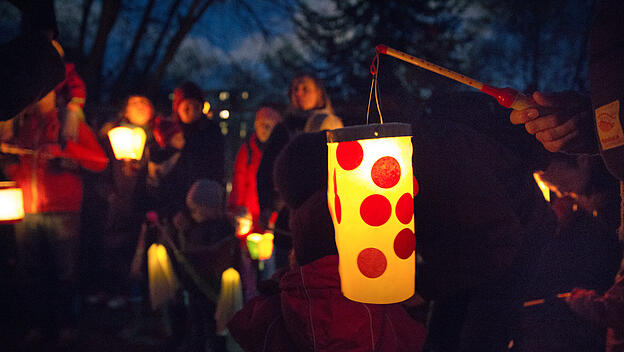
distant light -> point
(206, 108)
(224, 127)
(170, 96)
(224, 95)
(243, 130)
(245, 95)
(224, 114)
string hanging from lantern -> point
(374, 70)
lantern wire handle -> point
(374, 70)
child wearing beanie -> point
(205, 249)
(304, 309)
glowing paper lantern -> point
(252, 244)
(11, 203)
(163, 283)
(230, 299)
(127, 142)
(265, 247)
(370, 195)
(260, 246)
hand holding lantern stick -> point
(507, 97)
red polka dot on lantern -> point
(405, 208)
(349, 154)
(404, 243)
(375, 210)
(415, 186)
(386, 172)
(372, 262)
(337, 208)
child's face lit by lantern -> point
(177, 141)
(307, 95)
(139, 111)
(189, 110)
(263, 128)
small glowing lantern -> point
(370, 193)
(11, 203)
(163, 283)
(542, 185)
(265, 247)
(260, 246)
(230, 298)
(127, 142)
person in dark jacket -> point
(124, 189)
(302, 308)
(203, 154)
(567, 122)
(480, 221)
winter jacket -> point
(309, 313)
(52, 184)
(203, 156)
(244, 192)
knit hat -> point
(205, 193)
(187, 90)
(300, 176)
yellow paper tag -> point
(608, 125)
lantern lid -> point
(8, 184)
(370, 131)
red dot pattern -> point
(404, 243)
(337, 208)
(372, 262)
(416, 187)
(349, 154)
(386, 172)
(405, 208)
(375, 210)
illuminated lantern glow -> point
(542, 185)
(11, 203)
(260, 246)
(230, 298)
(370, 194)
(163, 283)
(265, 247)
(127, 142)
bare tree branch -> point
(152, 58)
(86, 9)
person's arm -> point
(87, 151)
(562, 123)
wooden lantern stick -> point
(507, 97)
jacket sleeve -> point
(75, 85)
(87, 151)
(239, 179)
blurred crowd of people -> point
(499, 267)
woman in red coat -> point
(244, 192)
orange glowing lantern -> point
(370, 195)
(11, 203)
(127, 142)
(260, 246)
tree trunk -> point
(93, 73)
(129, 63)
